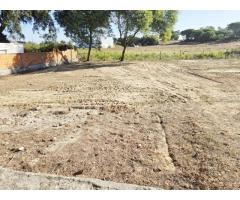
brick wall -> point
(13, 63)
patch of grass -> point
(108, 55)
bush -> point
(143, 41)
(149, 40)
(47, 46)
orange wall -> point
(28, 59)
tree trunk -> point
(89, 47)
(123, 53)
(124, 49)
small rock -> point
(139, 146)
(17, 149)
(53, 139)
(21, 148)
(157, 170)
(40, 152)
(78, 173)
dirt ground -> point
(184, 48)
(173, 125)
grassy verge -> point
(154, 56)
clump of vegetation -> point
(147, 40)
(84, 26)
(154, 56)
(209, 34)
(47, 46)
(10, 22)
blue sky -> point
(186, 19)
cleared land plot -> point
(187, 48)
(166, 124)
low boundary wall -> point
(21, 62)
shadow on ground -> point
(74, 67)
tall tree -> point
(129, 23)
(10, 22)
(84, 26)
(235, 28)
(163, 23)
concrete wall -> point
(14, 63)
(6, 48)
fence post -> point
(160, 55)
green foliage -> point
(129, 23)
(235, 28)
(147, 40)
(84, 27)
(189, 34)
(163, 23)
(154, 56)
(209, 33)
(175, 35)
(10, 22)
(47, 46)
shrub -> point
(47, 46)
(149, 40)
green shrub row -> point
(47, 46)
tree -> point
(207, 35)
(129, 23)
(10, 22)
(175, 35)
(83, 26)
(235, 28)
(163, 23)
(189, 34)
(224, 34)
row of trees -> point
(207, 34)
(146, 40)
(86, 27)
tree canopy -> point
(84, 27)
(235, 28)
(209, 34)
(129, 23)
(10, 22)
(163, 23)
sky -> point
(186, 19)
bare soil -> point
(174, 125)
(183, 48)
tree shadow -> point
(77, 66)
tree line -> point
(209, 34)
(87, 26)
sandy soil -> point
(174, 125)
(183, 48)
